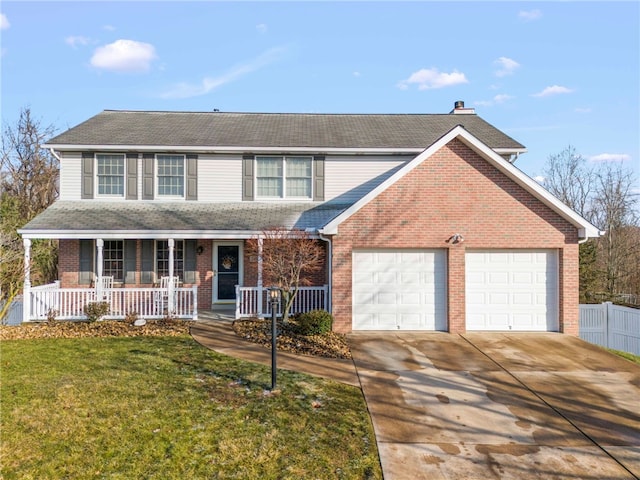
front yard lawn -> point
(167, 408)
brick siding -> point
(456, 191)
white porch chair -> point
(161, 297)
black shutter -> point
(132, 176)
(192, 177)
(130, 248)
(146, 262)
(190, 273)
(147, 176)
(247, 177)
(87, 175)
(318, 178)
(85, 270)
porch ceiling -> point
(79, 219)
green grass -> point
(628, 356)
(167, 408)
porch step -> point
(225, 315)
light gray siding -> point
(70, 176)
(219, 178)
(347, 178)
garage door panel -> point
(399, 290)
(512, 290)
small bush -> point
(52, 314)
(131, 317)
(315, 322)
(96, 310)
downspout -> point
(330, 269)
(53, 152)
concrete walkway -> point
(499, 406)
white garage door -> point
(399, 290)
(513, 290)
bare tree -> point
(614, 211)
(604, 196)
(289, 259)
(28, 185)
(568, 176)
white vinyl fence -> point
(611, 326)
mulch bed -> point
(104, 328)
(331, 344)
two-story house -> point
(426, 221)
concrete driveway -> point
(499, 405)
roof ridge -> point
(396, 114)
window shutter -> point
(247, 177)
(87, 175)
(146, 262)
(147, 176)
(130, 261)
(190, 273)
(132, 176)
(192, 177)
(318, 178)
(85, 267)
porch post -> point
(26, 290)
(100, 267)
(171, 244)
(259, 282)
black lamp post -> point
(274, 297)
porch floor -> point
(219, 314)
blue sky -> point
(550, 74)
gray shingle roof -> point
(254, 130)
(141, 216)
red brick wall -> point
(456, 191)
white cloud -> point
(356, 74)
(75, 40)
(540, 179)
(262, 27)
(496, 100)
(506, 66)
(124, 56)
(108, 28)
(432, 78)
(553, 90)
(187, 90)
(583, 110)
(529, 15)
(4, 22)
(610, 157)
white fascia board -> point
(146, 235)
(502, 151)
(232, 149)
(142, 235)
(585, 228)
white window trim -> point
(284, 178)
(96, 177)
(158, 196)
(156, 270)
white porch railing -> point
(69, 303)
(611, 326)
(253, 301)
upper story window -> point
(170, 173)
(283, 176)
(110, 173)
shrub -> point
(96, 310)
(315, 322)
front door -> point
(227, 267)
